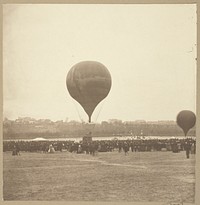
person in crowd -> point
(120, 146)
(187, 148)
(16, 150)
(138, 145)
(51, 149)
(126, 148)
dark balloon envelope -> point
(186, 119)
(88, 82)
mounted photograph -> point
(99, 103)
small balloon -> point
(88, 82)
(186, 119)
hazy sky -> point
(150, 51)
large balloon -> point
(186, 119)
(88, 82)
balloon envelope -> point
(186, 119)
(88, 82)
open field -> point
(109, 176)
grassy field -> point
(111, 176)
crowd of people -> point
(92, 147)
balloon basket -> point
(88, 128)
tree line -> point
(47, 128)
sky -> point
(150, 51)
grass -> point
(111, 176)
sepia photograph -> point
(99, 103)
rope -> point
(97, 116)
(77, 111)
(101, 107)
